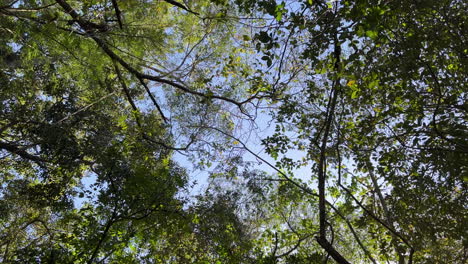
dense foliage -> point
(355, 110)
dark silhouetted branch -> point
(179, 5)
(20, 152)
(331, 250)
(117, 13)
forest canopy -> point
(327, 131)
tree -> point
(373, 93)
(369, 96)
(78, 101)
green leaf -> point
(372, 34)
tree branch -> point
(179, 5)
(20, 152)
(117, 13)
(331, 250)
(89, 28)
(153, 99)
(109, 224)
